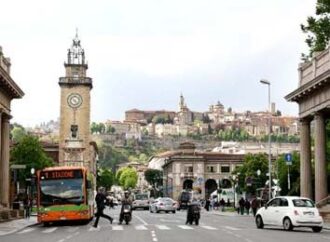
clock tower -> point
(75, 147)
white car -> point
(165, 204)
(290, 212)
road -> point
(150, 227)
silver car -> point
(165, 204)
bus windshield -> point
(61, 191)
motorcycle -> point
(127, 213)
(193, 214)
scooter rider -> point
(125, 201)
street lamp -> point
(266, 82)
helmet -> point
(126, 194)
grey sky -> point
(144, 53)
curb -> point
(19, 229)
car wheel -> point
(316, 229)
(259, 222)
(287, 224)
(150, 209)
(173, 211)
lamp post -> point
(258, 183)
(266, 82)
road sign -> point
(288, 159)
(15, 166)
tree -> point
(294, 175)
(18, 133)
(29, 152)
(252, 163)
(153, 176)
(317, 29)
(106, 179)
(128, 177)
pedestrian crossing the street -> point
(140, 227)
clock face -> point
(74, 100)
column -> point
(305, 160)
(321, 189)
(1, 161)
(5, 161)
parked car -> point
(290, 212)
(141, 201)
(165, 204)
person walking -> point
(100, 200)
(27, 207)
(241, 203)
(254, 206)
(247, 206)
(207, 204)
(222, 204)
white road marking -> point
(184, 227)
(162, 227)
(61, 240)
(94, 229)
(141, 227)
(117, 227)
(248, 240)
(26, 230)
(154, 239)
(232, 228)
(172, 221)
(71, 230)
(144, 222)
(50, 230)
(208, 227)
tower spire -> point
(76, 54)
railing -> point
(323, 202)
(319, 64)
(75, 80)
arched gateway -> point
(210, 186)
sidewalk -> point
(326, 225)
(16, 225)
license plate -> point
(62, 218)
(309, 213)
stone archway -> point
(226, 183)
(188, 184)
(210, 186)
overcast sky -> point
(144, 53)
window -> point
(225, 169)
(274, 203)
(211, 169)
(304, 203)
(284, 202)
(188, 169)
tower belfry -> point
(75, 137)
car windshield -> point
(304, 203)
(141, 197)
(166, 200)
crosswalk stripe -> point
(50, 230)
(141, 227)
(26, 230)
(232, 228)
(208, 227)
(117, 227)
(184, 227)
(162, 227)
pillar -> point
(305, 160)
(5, 161)
(321, 189)
(1, 161)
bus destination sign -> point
(61, 174)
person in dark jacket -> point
(247, 206)
(241, 203)
(254, 206)
(100, 200)
(125, 201)
(207, 204)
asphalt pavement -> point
(145, 226)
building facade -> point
(8, 91)
(203, 172)
(75, 145)
(313, 98)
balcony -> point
(76, 80)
